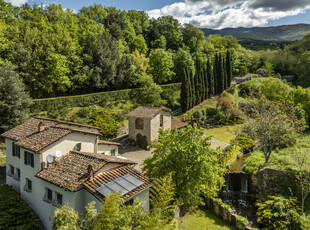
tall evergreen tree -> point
(193, 89)
(225, 85)
(197, 82)
(215, 75)
(210, 79)
(184, 92)
(205, 82)
(228, 68)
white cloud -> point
(231, 13)
(17, 2)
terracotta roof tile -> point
(70, 171)
(101, 142)
(40, 140)
(145, 112)
(177, 124)
(115, 173)
(25, 129)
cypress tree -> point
(184, 92)
(193, 90)
(228, 69)
(210, 79)
(215, 75)
(197, 82)
(219, 72)
(224, 74)
(205, 81)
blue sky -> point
(215, 14)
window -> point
(29, 159)
(48, 196)
(28, 185)
(11, 171)
(17, 174)
(113, 152)
(15, 150)
(58, 199)
(161, 120)
(139, 123)
(78, 147)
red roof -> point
(178, 124)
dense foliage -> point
(59, 52)
(196, 168)
(14, 212)
(277, 212)
(15, 101)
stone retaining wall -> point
(228, 216)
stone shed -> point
(145, 122)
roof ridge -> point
(67, 122)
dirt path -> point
(217, 143)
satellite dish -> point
(49, 159)
(58, 153)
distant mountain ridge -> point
(274, 33)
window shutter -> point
(25, 157)
(32, 161)
(13, 149)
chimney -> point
(90, 172)
(41, 126)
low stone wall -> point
(227, 215)
(2, 172)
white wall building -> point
(52, 163)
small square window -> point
(48, 195)
(17, 174)
(78, 147)
(28, 185)
(11, 170)
(29, 159)
(113, 152)
(58, 198)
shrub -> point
(277, 212)
(246, 144)
(218, 201)
(228, 207)
(14, 213)
(242, 220)
(254, 163)
(105, 120)
(198, 114)
(83, 112)
(211, 112)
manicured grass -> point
(203, 219)
(225, 133)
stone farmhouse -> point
(145, 122)
(52, 163)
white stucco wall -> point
(106, 149)
(144, 199)
(68, 143)
(155, 124)
(15, 162)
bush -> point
(105, 120)
(254, 163)
(218, 201)
(242, 220)
(246, 144)
(277, 212)
(198, 114)
(14, 213)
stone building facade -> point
(145, 123)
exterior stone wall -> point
(227, 215)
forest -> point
(58, 52)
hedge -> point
(101, 98)
(14, 213)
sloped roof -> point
(71, 171)
(178, 124)
(112, 175)
(146, 112)
(101, 142)
(29, 136)
(40, 140)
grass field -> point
(225, 133)
(203, 219)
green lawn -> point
(203, 219)
(225, 133)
